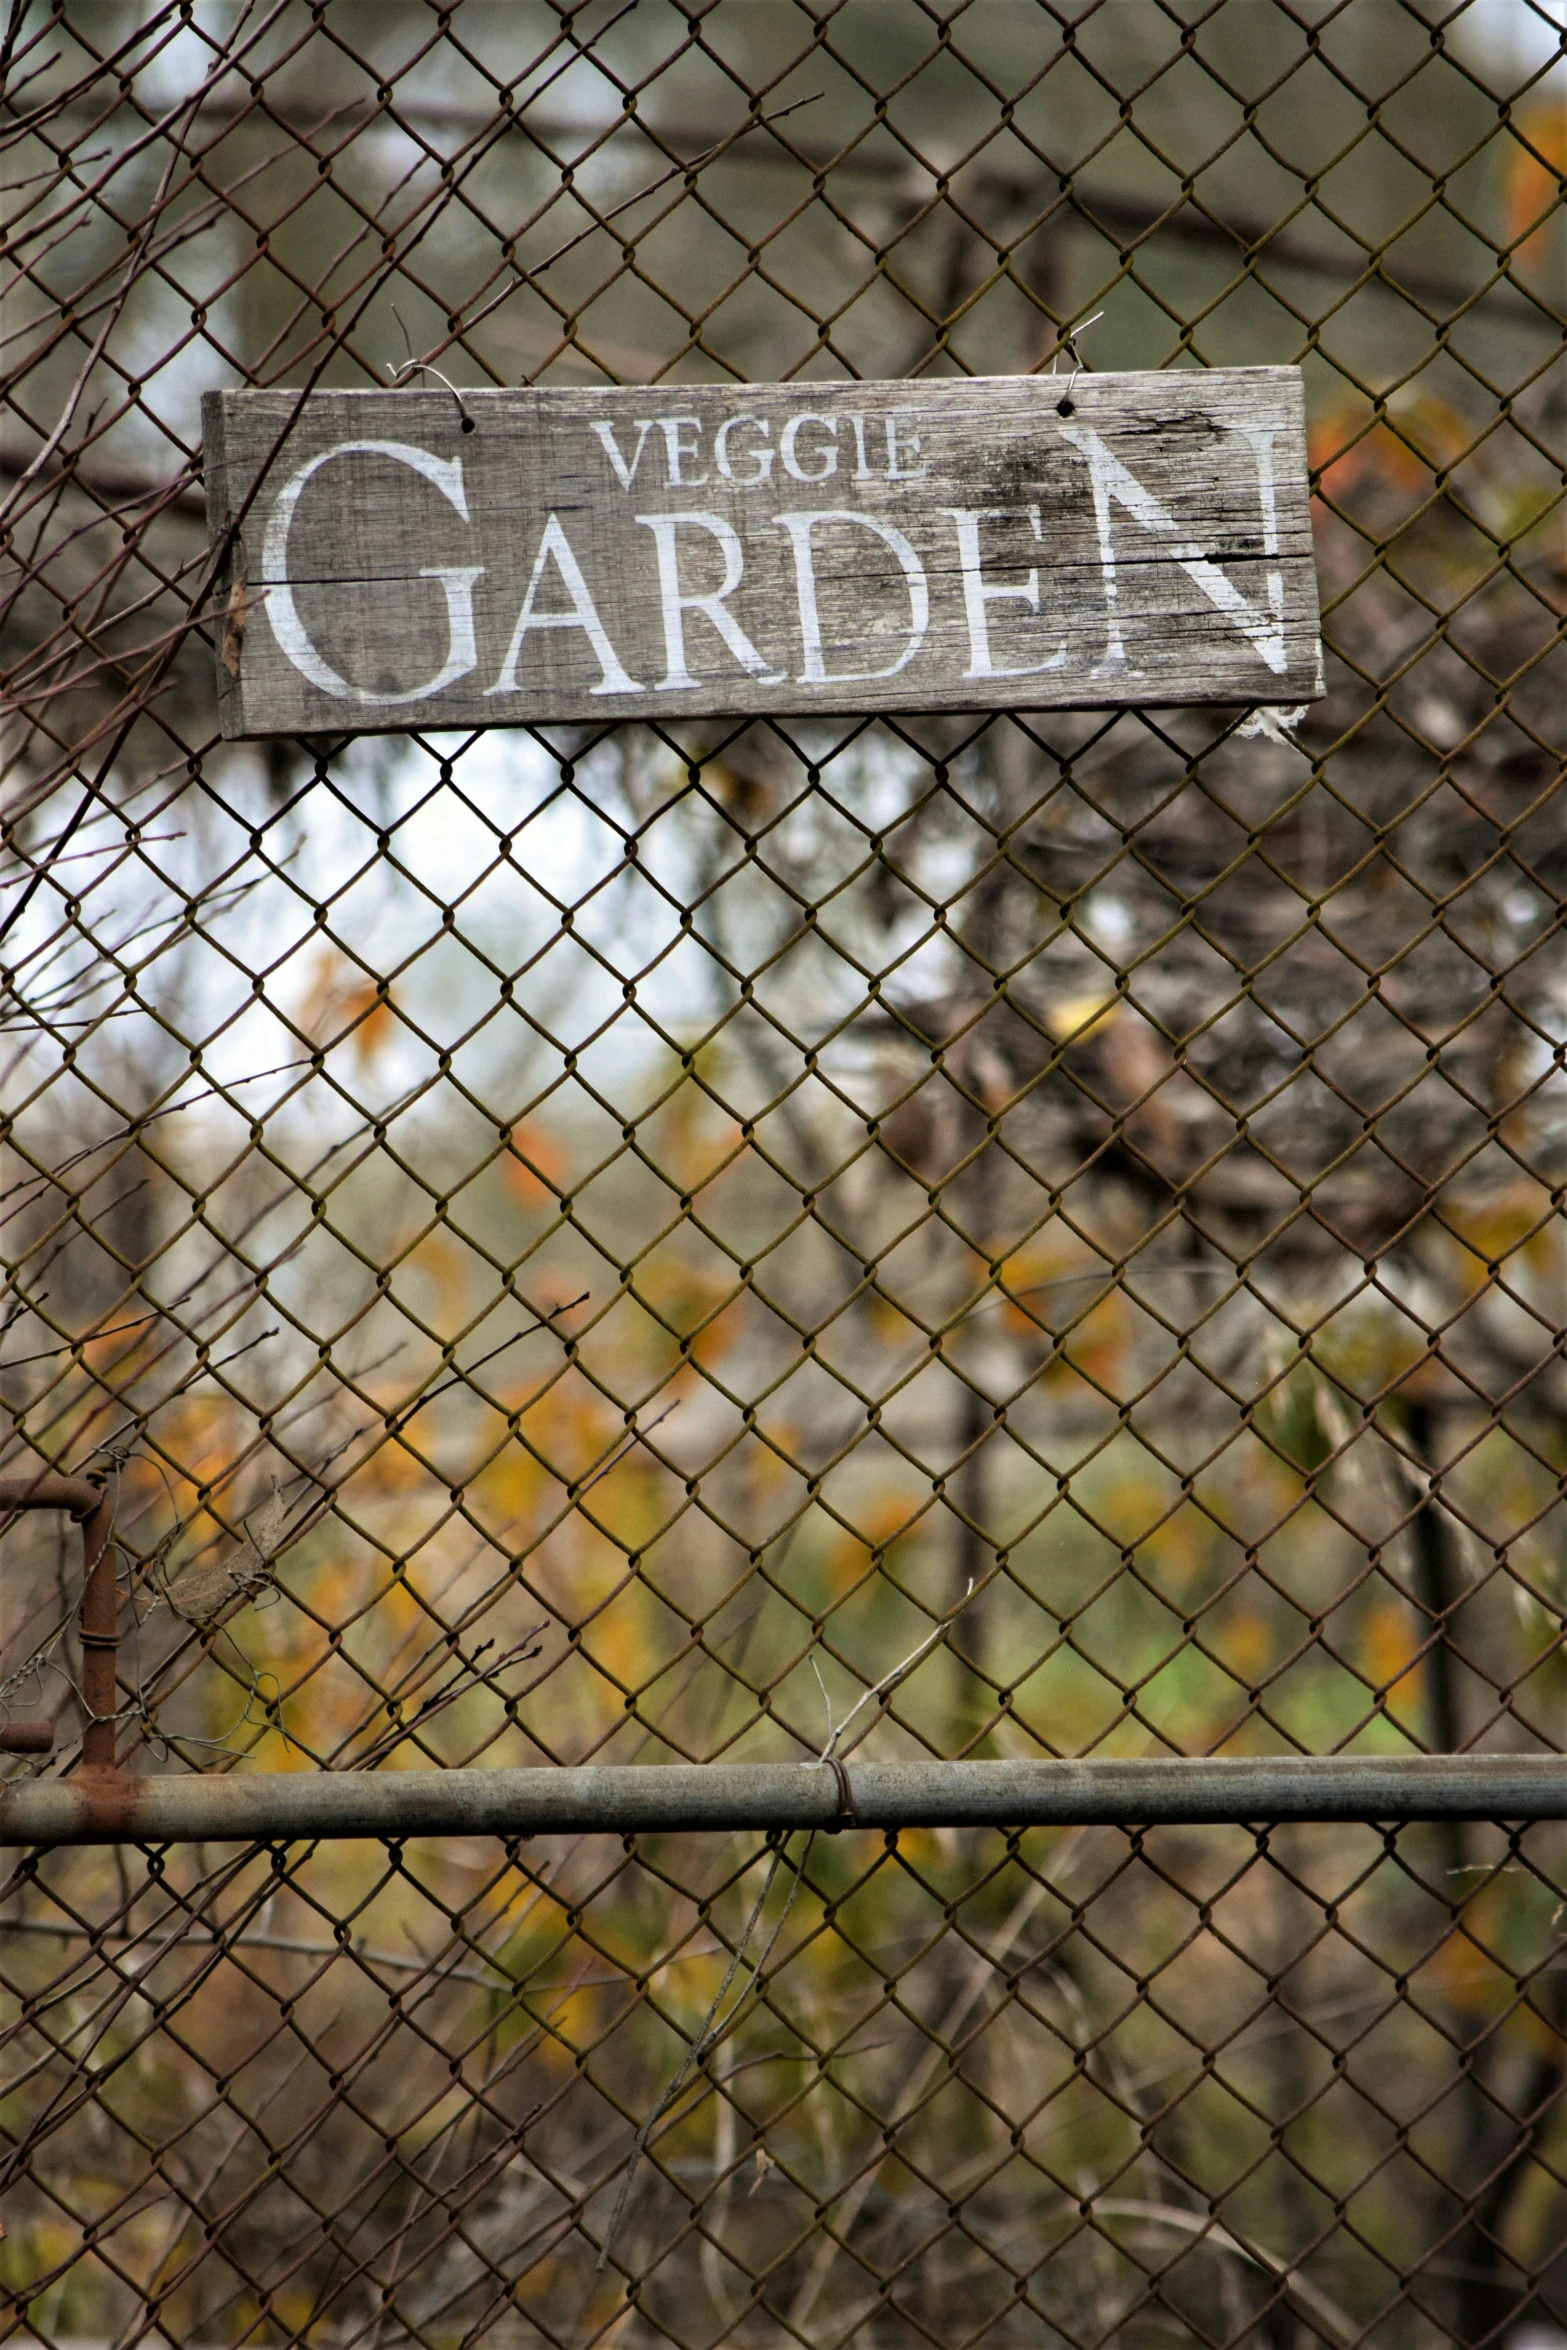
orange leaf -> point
(1533, 184)
(535, 1164)
(345, 1006)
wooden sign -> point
(1016, 542)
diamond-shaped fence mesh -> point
(604, 1244)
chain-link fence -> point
(990, 1238)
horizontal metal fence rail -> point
(781, 1506)
(673, 1798)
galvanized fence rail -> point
(784, 1556)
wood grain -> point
(697, 551)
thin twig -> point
(711, 2032)
(887, 1681)
(466, 1677)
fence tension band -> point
(676, 1797)
(85, 1500)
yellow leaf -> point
(1076, 1018)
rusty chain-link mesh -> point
(749, 1198)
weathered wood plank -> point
(693, 551)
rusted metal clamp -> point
(840, 1771)
(86, 1500)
